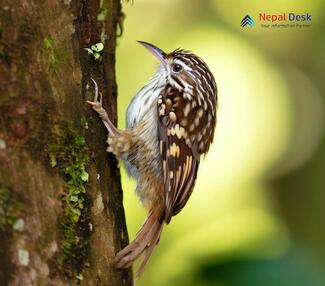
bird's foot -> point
(97, 105)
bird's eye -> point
(177, 68)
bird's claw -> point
(98, 107)
(98, 98)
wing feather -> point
(179, 155)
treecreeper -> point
(170, 125)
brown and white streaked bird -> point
(170, 124)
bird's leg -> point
(120, 142)
(97, 106)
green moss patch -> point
(56, 54)
(10, 210)
(10, 226)
(68, 152)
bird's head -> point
(183, 68)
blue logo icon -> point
(247, 20)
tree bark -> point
(61, 212)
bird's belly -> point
(141, 119)
(144, 156)
(144, 160)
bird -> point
(170, 125)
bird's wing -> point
(178, 148)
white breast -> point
(143, 108)
(143, 100)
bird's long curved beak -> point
(158, 53)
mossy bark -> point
(62, 218)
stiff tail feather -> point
(144, 243)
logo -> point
(247, 20)
(281, 20)
(284, 16)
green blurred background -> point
(257, 214)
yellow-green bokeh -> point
(231, 211)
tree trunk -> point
(61, 212)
